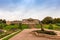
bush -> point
(1, 31)
(46, 32)
(58, 24)
(38, 26)
(24, 26)
(50, 26)
(11, 27)
(3, 35)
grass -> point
(9, 36)
(25, 26)
(55, 27)
(9, 27)
(46, 26)
(38, 26)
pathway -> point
(26, 35)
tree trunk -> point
(42, 29)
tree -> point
(42, 29)
(56, 20)
(20, 26)
(4, 21)
(47, 20)
(0, 21)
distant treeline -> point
(48, 20)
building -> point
(15, 22)
(30, 21)
(12, 22)
(24, 21)
(8, 22)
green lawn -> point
(46, 26)
(11, 35)
(25, 26)
(38, 26)
(55, 27)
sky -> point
(23, 9)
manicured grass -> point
(25, 26)
(11, 35)
(10, 28)
(46, 26)
(55, 27)
(38, 26)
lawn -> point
(55, 27)
(46, 26)
(11, 35)
(13, 28)
(25, 26)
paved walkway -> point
(26, 35)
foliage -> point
(3, 35)
(41, 24)
(7, 38)
(47, 20)
(11, 27)
(20, 26)
(50, 26)
(56, 20)
(38, 26)
(2, 21)
(46, 32)
(2, 25)
(58, 24)
(24, 26)
(1, 31)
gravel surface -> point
(26, 35)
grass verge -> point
(11, 35)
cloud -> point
(20, 9)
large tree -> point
(47, 20)
(2, 23)
(56, 20)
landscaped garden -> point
(46, 23)
(6, 30)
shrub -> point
(3, 35)
(50, 26)
(1, 31)
(24, 26)
(38, 26)
(46, 32)
(11, 27)
(58, 24)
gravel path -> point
(26, 35)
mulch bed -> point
(55, 37)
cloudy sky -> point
(21, 9)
